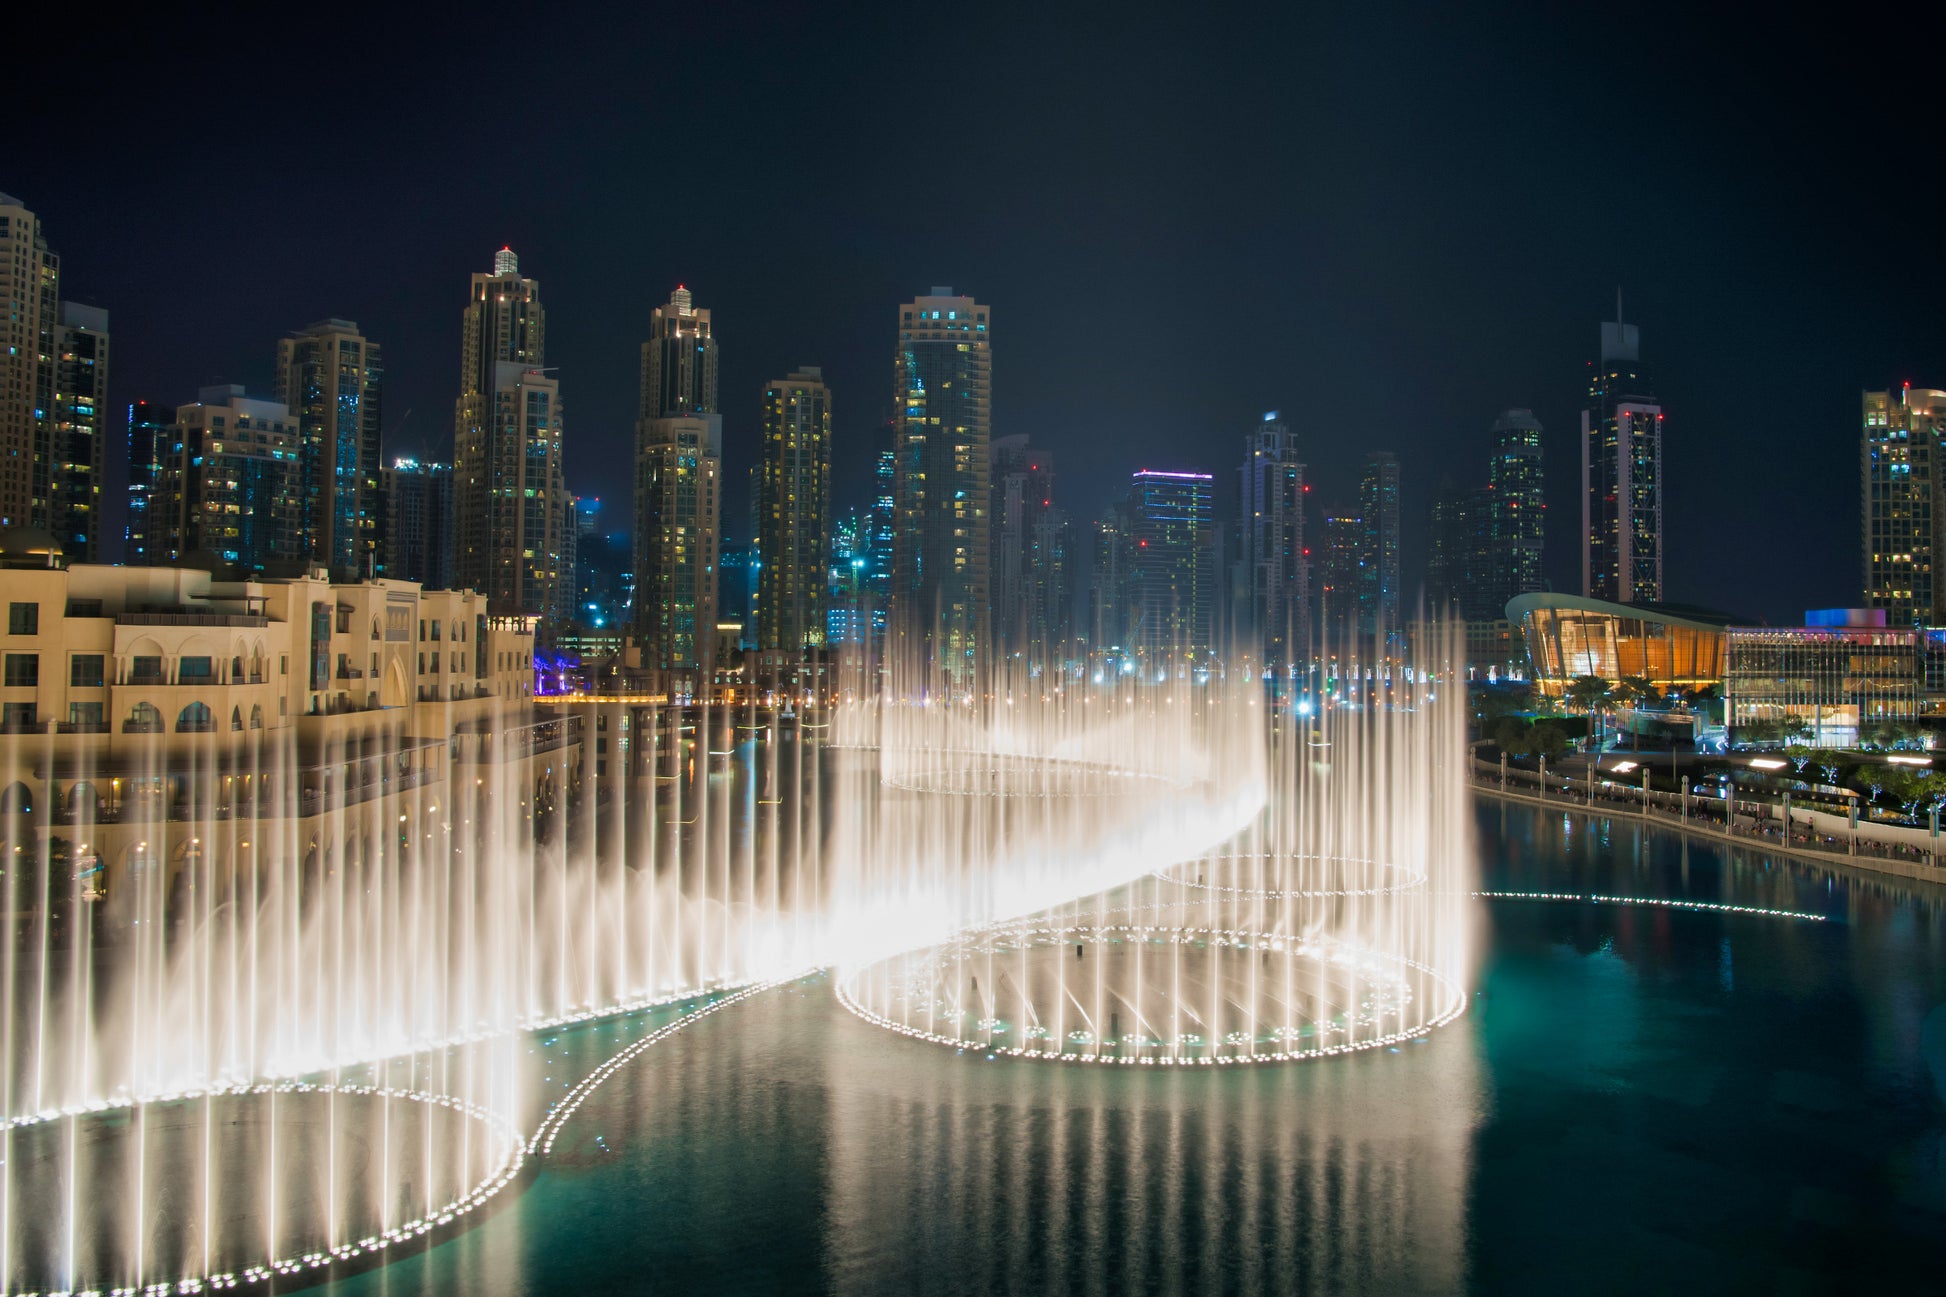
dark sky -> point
(1387, 223)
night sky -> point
(1388, 224)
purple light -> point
(1194, 477)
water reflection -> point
(1640, 1100)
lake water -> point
(1639, 1099)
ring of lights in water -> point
(272, 1170)
(1152, 994)
(1297, 876)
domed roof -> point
(30, 547)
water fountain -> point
(285, 1031)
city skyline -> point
(1404, 274)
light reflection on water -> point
(1639, 1100)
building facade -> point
(509, 501)
(679, 361)
(1270, 539)
(1621, 473)
(1380, 576)
(1902, 503)
(1172, 570)
(77, 440)
(30, 292)
(167, 701)
(416, 523)
(943, 367)
(151, 434)
(678, 530)
(330, 376)
(1519, 507)
(793, 506)
(228, 484)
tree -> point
(1908, 788)
(1490, 702)
(1799, 755)
(1829, 771)
(1589, 693)
(1549, 739)
(1637, 691)
(1513, 736)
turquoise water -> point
(1639, 1100)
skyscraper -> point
(794, 514)
(77, 442)
(1519, 506)
(679, 360)
(1461, 559)
(229, 483)
(943, 392)
(1172, 568)
(678, 492)
(1378, 504)
(1340, 562)
(416, 515)
(151, 434)
(678, 502)
(1621, 473)
(30, 290)
(329, 375)
(1028, 564)
(1904, 503)
(1271, 543)
(508, 495)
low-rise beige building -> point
(137, 703)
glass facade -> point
(1568, 637)
(1832, 679)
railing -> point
(142, 727)
(1701, 811)
(191, 619)
(148, 677)
(83, 727)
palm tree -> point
(1589, 692)
(1633, 691)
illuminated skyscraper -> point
(678, 506)
(30, 292)
(510, 504)
(794, 514)
(416, 535)
(1379, 578)
(151, 433)
(1904, 503)
(1028, 568)
(1172, 569)
(943, 392)
(1519, 506)
(678, 494)
(228, 485)
(329, 375)
(679, 360)
(1271, 543)
(77, 441)
(1621, 473)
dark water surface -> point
(1640, 1100)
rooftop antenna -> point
(1618, 303)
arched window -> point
(236, 668)
(18, 799)
(374, 628)
(236, 719)
(143, 718)
(256, 716)
(195, 719)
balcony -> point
(148, 677)
(83, 727)
(191, 619)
